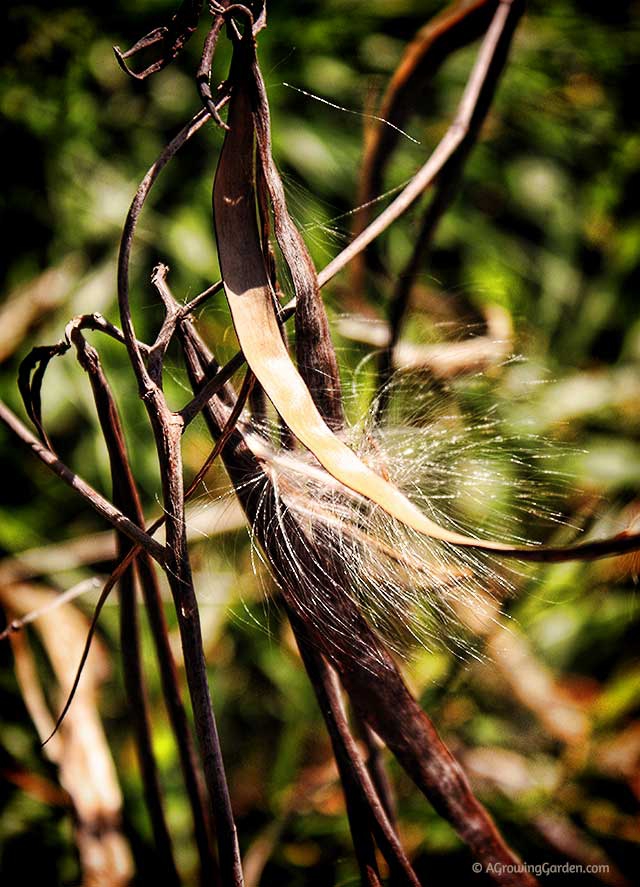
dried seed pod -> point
(251, 301)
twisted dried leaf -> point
(173, 38)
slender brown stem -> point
(139, 715)
(172, 38)
(126, 495)
(167, 429)
(201, 298)
(202, 824)
(98, 323)
(168, 433)
(494, 44)
(446, 188)
(376, 767)
(368, 814)
(454, 27)
(203, 76)
(128, 232)
(99, 504)
(216, 382)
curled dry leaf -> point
(172, 39)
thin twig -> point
(375, 765)
(173, 38)
(59, 600)
(203, 76)
(446, 188)
(455, 26)
(126, 495)
(99, 504)
(360, 791)
(167, 429)
(493, 44)
(138, 707)
(220, 377)
(200, 299)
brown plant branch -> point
(445, 191)
(94, 499)
(377, 770)
(126, 495)
(457, 25)
(368, 815)
(488, 63)
(173, 38)
(201, 298)
(138, 708)
(203, 76)
(167, 429)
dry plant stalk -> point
(86, 769)
(342, 647)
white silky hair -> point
(453, 457)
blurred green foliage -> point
(545, 225)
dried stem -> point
(489, 58)
(99, 504)
(376, 767)
(126, 495)
(172, 38)
(457, 25)
(203, 77)
(446, 187)
(201, 298)
(139, 713)
(369, 817)
(167, 429)
(202, 821)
